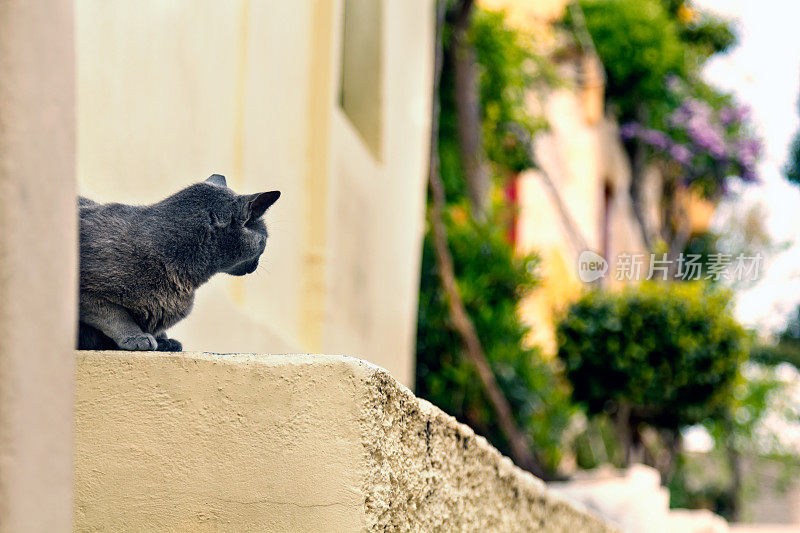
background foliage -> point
(507, 69)
(669, 351)
(653, 52)
(642, 43)
(492, 280)
(792, 168)
(491, 277)
(785, 349)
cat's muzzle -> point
(243, 268)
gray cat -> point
(140, 265)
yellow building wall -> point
(171, 92)
(581, 159)
(580, 155)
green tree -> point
(764, 398)
(792, 168)
(642, 43)
(696, 135)
(661, 355)
(639, 45)
(464, 350)
(492, 280)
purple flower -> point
(681, 154)
(679, 117)
(630, 130)
(727, 115)
(699, 108)
(742, 113)
(707, 136)
(752, 147)
(745, 152)
(690, 109)
(749, 174)
(656, 138)
(734, 114)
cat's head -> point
(235, 230)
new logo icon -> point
(591, 266)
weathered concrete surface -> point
(207, 442)
(427, 472)
(38, 264)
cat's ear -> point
(258, 203)
(218, 180)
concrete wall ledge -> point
(205, 442)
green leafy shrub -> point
(669, 352)
(492, 280)
(491, 277)
(507, 69)
(640, 45)
(653, 51)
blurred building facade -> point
(327, 101)
(578, 199)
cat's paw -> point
(142, 341)
(168, 345)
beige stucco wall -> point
(37, 264)
(170, 92)
(198, 442)
(203, 443)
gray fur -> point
(140, 265)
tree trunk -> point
(676, 228)
(638, 169)
(735, 464)
(622, 425)
(668, 463)
(576, 238)
(518, 441)
(468, 112)
(570, 225)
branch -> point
(575, 236)
(638, 170)
(468, 112)
(518, 441)
(578, 241)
